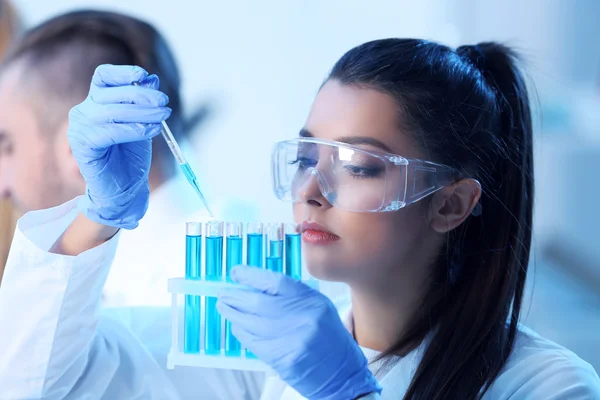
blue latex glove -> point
(110, 135)
(297, 332)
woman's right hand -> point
(110, 135)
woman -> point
(437, 285)
(413, 181)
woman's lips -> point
(315, 234)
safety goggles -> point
(352, 178)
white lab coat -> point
(55, 345)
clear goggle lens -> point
(351, 178)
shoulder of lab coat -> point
(537, 369)
(542, 369)
(53, 343)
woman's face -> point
(352, 247)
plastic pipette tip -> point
(191, 177)
(203, 200)
(210, 213)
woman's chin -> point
(327, 271)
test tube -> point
(254, 244)
(234, 257)
(193, 260)
(254, 252)
(214, 271)
(275, 247)
(293, 251)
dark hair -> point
(65, 50)
(469, 109)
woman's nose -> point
(310, 191)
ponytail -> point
(478, 319)
(514, 173)
(469, 108)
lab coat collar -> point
(396, 372)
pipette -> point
(183, 164)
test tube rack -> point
(200, 337)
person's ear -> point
(451, 205)
(66, 162)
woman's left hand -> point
(296, 331)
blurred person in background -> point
(44, 75)
(10, 26)
(48, 72)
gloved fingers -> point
(252, 302)
(246, 339)
(94, 142)
(263, 280)
(151, 82)
(257, 325)
(138, 153)
(129, 133)
(139, 95)
(267, 281)
(271, 349)
(107, 75)
(126, 113)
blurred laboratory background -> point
(260, 63)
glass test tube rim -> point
(290, 228)
(259, 227)
(193, 228)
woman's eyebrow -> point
(353, 140)
(366, 140)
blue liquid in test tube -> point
(214, 271)
(275, 247)
(234, 257)
(293, 252)
(254, 245)
(254, 252)
(274, 262)
(193, 257)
